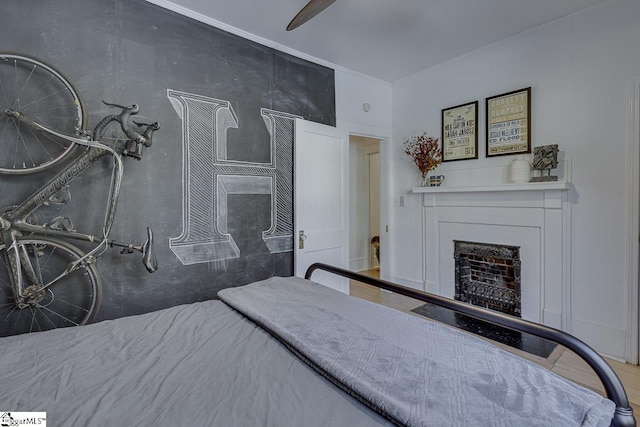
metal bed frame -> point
(623, 416)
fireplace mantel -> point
(531, 186)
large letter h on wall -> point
(208, 177)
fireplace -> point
(536, 218)
(488, 275)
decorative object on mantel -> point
(436, 180)
(460, 132)
(520, 170)
(509, 123)
(545, 158)
(425, 152)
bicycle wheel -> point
(32, 89)
(71, 301)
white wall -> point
(354, 89)
(579, 68)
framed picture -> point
(460, 132)
(509, 123)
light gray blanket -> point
(417, 372)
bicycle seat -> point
(148, 253)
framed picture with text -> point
(509, 123)
(460, 132)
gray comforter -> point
(201, 365)
(419, 373)
(205, 364)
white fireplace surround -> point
(533, 216)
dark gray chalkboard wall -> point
(130, 51)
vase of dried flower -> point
(425, 152)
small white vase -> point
(520, 170)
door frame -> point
(384, 136)
(633, 225)
(371, 253)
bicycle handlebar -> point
(136, 140)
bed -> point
(291, 352)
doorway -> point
(364, 203)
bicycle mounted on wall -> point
(45, 281)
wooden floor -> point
(563, 362)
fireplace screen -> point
(488, 275)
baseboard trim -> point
(604, 339)
(406, 281)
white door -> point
(321, 192)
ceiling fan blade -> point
(311, 9)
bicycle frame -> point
(55, 185)
(17, 221)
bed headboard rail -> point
(614, 389)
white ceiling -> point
(387, 39)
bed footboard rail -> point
(614, 389)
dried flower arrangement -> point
(424, 151)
